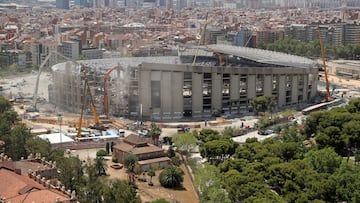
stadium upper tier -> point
(262, 56)
(258, 57)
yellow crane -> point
(328, 97)
(98, 124)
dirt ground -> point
(186, 194)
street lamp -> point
(60, 121)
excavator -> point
(106, 98)
(98, 125)
(328, 97)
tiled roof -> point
(19, 188)
(148, 148)
(133, 139)
(156, 160)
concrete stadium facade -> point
(172, 88)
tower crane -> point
(106, 98)
(328, 97)
(42, 65)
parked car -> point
(265, 132)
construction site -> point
(222, 80)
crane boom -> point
(328, 96)
(87, 91)
(202, 39)
(42, 65)
(106, 98)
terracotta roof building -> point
(16, 187)
(146, 152)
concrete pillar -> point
(216, 95)
(145, 91)
(294, 89)
(166, 94)
(251, 86)
(197, 95)
(176, 84)
(282, 90)
(313, 82)
(305, 88)
(267, 85)
(234, 87)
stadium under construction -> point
(221, 80)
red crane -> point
(106, 99)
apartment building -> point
(71, 49)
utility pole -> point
(60, 122)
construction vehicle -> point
(106, 98)
(98, 125)
(328, 97)
(42, 65)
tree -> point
(37, 145)
(262, 103)
(352, 129)
(171, 152)
(333, 137)
(229, 131)
(100, 166)
(10, 117)
(71, 172)
(120, 191)
(324, 161)
(155, 133)
(129, 161)
(184, 142)
(208, 181)
(151, 173)
(208, 134)
(101, 153)
(218, 150)
(5, 105)
(16, 141)
(353, 105)
(171, 177)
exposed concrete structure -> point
(171, 88)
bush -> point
(160, 201)
(175, 160)
(115, 160)
(101, 152)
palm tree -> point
(130, 161)
(171, 177)
(155, 132)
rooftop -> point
(262, 56)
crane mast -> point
(42, 65)
(86, 91)
(328, 95)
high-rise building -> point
(62, 4)
(162, 3)
(81, 2)
(71, 49)
(180, 4)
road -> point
(242, 139)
